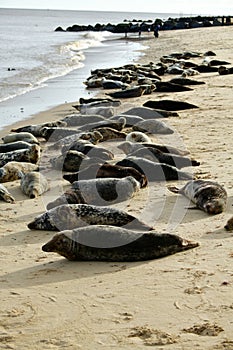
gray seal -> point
(30, 155)
(98, 191)
(33, 184)
(106, 170)
(137, 136)
(20, 136)
(13, 146)
(5, 195)
(155, 171)
(110, 243)
(69, 216)
(36, 129)
(208, 196)
(14, 170)
(153, 126)
(129, 147)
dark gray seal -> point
(170, 105)
(129, 147)
(229, 225)
(12, 146)
(91, 150)
(209, 196)
(186, 81)
(5, 195)
(30, 155)
(33, 184)
(155, 155)
(114, 124)
(135, 91)
(69, 216)
(99, 191)
(111, 134)
(155, 171)
(36, 129)
(106, 170)
(110, 243)
(166, 86)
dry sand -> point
(183, 301)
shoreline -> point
(99, 305)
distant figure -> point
(156, 31)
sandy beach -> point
(183, 301)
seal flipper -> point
(173, 189)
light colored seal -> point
(130, 119)
(155, 171)
(106, 112)
(20, 136)
(144, 113)
(91, 136)
(90, 243)
(106, 170)
(14, 170)
(5, 195)
(153, 126)
(30, 155)
(76, 119)
(137, 136)
(99, 191)
(55, 134)
(69, 216)
(33, 184)
(209, 196)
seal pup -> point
(36, 129)
(20, 136)
(156, 155)
(155, 171)
(69, 216)
(137, 136)
(5, 195)
(33, 184)
(129, 147)
(111, 243)
(153, 126)
(208, 196)
(30, 155)
(14, 170)
(106, 170)
(13, 146)
(98, 191)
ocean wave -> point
(59, 60)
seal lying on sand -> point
(150, 113)
(129, 147)
(36, 129)
(30, 155)
(110, 243)
(5, 195)
(99, 191)
(14, 170)
(111, 134)
(153, 126)
(134, 91)
(69, 216)
(12, 146)
(169, 105)
(20, 136)
(207, 195)
(80, 119)
(155, 155)
(33, 184)
(114, 124)
(106, 170)
(155, 171)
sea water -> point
(40, 68)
